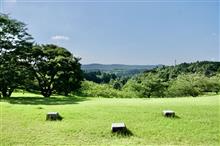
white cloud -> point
(60, 37)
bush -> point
(214, 84)
(103, 90)
(146, 85)
(151, 85)
(188, 85)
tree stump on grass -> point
(53, 116)
(116, 127)
(169, 113)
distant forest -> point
(117, 69)
(186, 79)
(101, 73)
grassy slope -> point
(88, 121)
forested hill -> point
(118, 69)
(186, 79)
(208, 68)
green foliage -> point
(119, 70)
(162, 82)
(55, 68)
(193, 85)
(146, 85)
(206, 68)
(103, 90)
(191, 79)
(15, 45)
(69, 77)
(119, 82)
(99, 77)
(187, 85)
(214, 84)
(116, 84)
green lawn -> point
(87, 121)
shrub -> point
(103, 90)
(146, 85)
(188, 85)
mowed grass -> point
(87, 121)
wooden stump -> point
(118, 127)
(53, 116)
(169, 113)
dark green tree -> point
(55, 68)
(99, 77)
(15, 44)
(69, 77)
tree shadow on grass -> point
(176, 117)
(123, 133)
(36, 100)
(173, 117)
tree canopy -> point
(21, 62)
(15, 44)
(186, 79)
(55, 68)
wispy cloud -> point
(60, 37)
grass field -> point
(87, 121)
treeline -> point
(99, 77)
(27, 65)
(206, 68)
(119, 70)
(186, 79)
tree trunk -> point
(6, 93)
(149, 95)
(46, 92)
(66, 93)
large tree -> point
(15, 44)
(69, 77)
(55, 68)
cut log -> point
(118, 127)
(169, 113)
(52, 116)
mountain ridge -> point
(118, 69)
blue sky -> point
(125, 31)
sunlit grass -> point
(87, 121)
